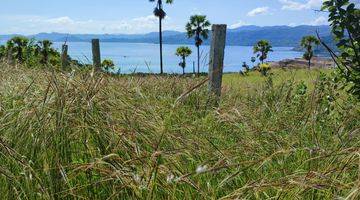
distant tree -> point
(198, 27)
(161, 14)
(45, 51)
(183, 52)
(246, 68)
(107, 64)
(19, 47)
(262, 48)
(253, 59)
(308, 43)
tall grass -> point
(83, 136)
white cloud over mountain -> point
(238, 24)
(258, 11)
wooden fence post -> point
(216, 65)
(96, 54)
(64, 56)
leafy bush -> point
(108, 65)
(345, 17)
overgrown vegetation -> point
(32, 53)
(292, 135)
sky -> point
(135, 16)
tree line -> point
(344, 19)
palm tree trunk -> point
(198, 60)
(20, 55)
(184, 63)
(309, 64)
(161, 46)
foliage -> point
(308, 42)
(19, 46)
(158, 11)
(344, 17)
(262, 48)
(108, 65)
(47, 53)
(29, 52)
(183, 52)
(123, 137)
(2, 51)
(264, 68)
(198, 27)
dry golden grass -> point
(84, 136)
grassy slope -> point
(79, 136)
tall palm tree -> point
(19, 46)
(161, 14)
(198, 27)
(262, 48)
(183, 52)
(307, 42)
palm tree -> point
(45, 50)
(161, 14)
(19, 46)
(262, 48)
(183, 52)
(307, 43)
(198, 27)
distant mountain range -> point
(242, 36)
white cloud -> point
(258, 11)
(238, 24)
(295, 5)
(320, 21)
(64, 24)
(316, 22)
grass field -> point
(84, 136)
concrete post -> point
(217, 53)
(96, 54)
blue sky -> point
(135, 16)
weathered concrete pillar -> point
(217, 54)
(96, 54)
